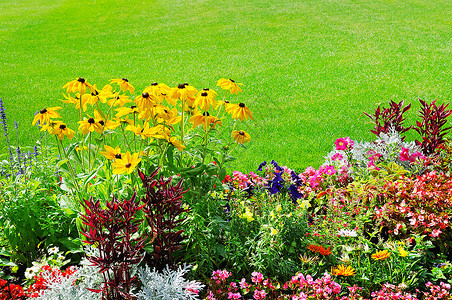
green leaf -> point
(222, 174)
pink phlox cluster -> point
(257, 277)
(259, 294)
(323, 287)
(240, 180)
(211, 296)
(256, 179)
(220, 275)
(391, 292)
(234, 295)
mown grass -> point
(310, 67)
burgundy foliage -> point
(392, 117)
(112, 232)
(163, 207)
(431, 129)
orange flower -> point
(381, 255)
(320, 249)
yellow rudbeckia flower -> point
(176, 143)
(124, 84)
(126, 164)
(204, 119)
(204, 100)
(119, 100)
(146, 100)
(106, 124)
(96, 95)
(111, 153)
(241, 136)
(229, 84)
(240, 111)
(184, 92)
(89, 125)
(77, 85)
(61, 130)
(45, 114)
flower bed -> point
(138, 204)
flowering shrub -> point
(11, 291)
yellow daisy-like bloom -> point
(247, 215)
(160, 90)
(229, 84)
(76, 101)
(89, 125)
(124, 85)
(169, 117)
(240, 111)
(96, 95)
(146, 100)
(61, 130)
(45, 114)
(111, 153)
(127, 163)
(204, 100)
(119, 100)
(78, 85)
(204, 119)
(381, 255)
(184, 92)
(143, 132)
(241, 136)
(78, 148)
(106, 124)
(176, 143)
(122, 111)
(342, 270)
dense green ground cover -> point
(310, 67)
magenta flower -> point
(344, 144)
(234, 295)
(258, 295)
(257, 277)
(404, 154)
(337, 157)
(329, 170)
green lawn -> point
(310, 67)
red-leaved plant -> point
(11, 291)
(391, 117)
(163, 207)
(431, 129)
(113, 232)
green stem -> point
(71, 169)
(125, 138)
(89, 151)
(182, 132)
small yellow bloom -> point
(45, 114)
(176, 143)
(160, 90)
(204, 119)
(127, 163)
(124, 85)
(61, 130)
(381, 255)
(146, 100)
(78, 148)
(122, 111)
(229, 84)
(204, 100)
(76, 101)
(111, 153)
(402, 252)
(89, 125)
(241, 136)
(240, 111)
(120, 100)
(96, 95)
(247, 215)
(273, 231)
(77, 85)
(185, 92)
(305, 204)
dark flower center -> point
(62, 127)
(242, 105)
(95, 93)
(206, 114)
(82, 80)
(145, 95)
(165, 111)
(185, 84)
(128, 165)
(231, 80)
(43, 111)
(241, 132)
(91, 120)
(133, 107)
(154, 83)
(204, 94)
(142, 130)
(206, 89)
(125, 79)
(101, 122)
(181, 86)
(118, 155)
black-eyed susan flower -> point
(204, 119)
(45, 114)
(143, 132)
(146, 100)
(84, 148)
(381, 255)
(184, 91)
(78, 85)
(160, 90)
(169, 117)
(342, 270)
(96, 95)
(122, 111)
(240, 111)
(204, 100)
(107, 124)
(111, 153)
(89, 125)
(124, 84)
(241, 136)
(119, 100)
(126, 164)
(230, 85)
(61, 130)
(176, 143)
(76, 101)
